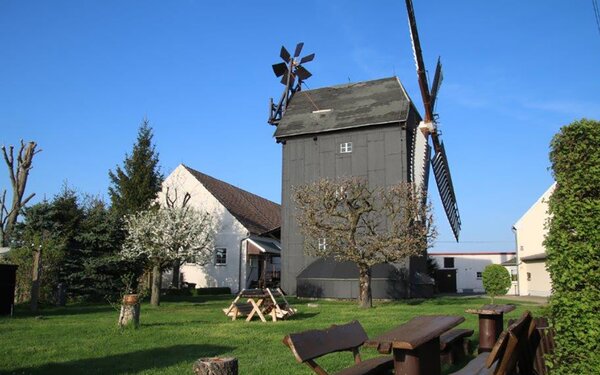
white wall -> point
(468, 264)
(530, 232)
(229, 234)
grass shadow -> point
(23, 311)
(127, 363)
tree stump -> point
(216, 366)
(130, 311)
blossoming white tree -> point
(159, 237)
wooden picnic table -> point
(260, 302)
(416, 344)
(491, 324)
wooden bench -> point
(310, 345)
(541, 343)
(455, 345)
(509, 352)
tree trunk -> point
(176, 273)
(130, 312)
(365, 299)
(216, 366)
(156, 281)
(35, 279)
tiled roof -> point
(257, 214)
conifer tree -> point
(135, 186)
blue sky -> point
(79, 76)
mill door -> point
(445, 280)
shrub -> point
(496, 280)
(573, 250)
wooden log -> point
(216, 366)
(130, 311)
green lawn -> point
(85, 339)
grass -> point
(85, 339)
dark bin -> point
(8, 280)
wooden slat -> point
(454, 334)
(377, 365)
(517, 339)
(313, 344)
(414, 333)
(476, 366)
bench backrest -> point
(309, 345)
(510, 346)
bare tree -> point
(18, 175)
(349, 221)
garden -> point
(86, 338)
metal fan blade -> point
(284, 79)
(437, 83)
(285, 55)
(441, 171)
(298, 49)
(307, 58)
(421, 73)
(280, 69)
(302, 73)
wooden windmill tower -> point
(371, 130)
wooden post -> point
(216, 366)
(35, 278)
(130, 311)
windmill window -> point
(346, 147)
(449, 262)
(220, 256)
(479, 275)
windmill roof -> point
(327, 109)
(257, 214)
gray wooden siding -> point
(379, 154)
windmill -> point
(292, 75)
(428, 129)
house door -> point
(445, 280)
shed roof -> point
(534, 257)
(257, 214)
(327, 109)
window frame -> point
(220, 260)
(346, 148)
(449, 260)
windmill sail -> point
(441, 171)
(428, 127)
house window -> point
(479, 275)
(220, 256)
(449, 262)
(322, 244)
(514, 276)
(528, 276)
(345, 147)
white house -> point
(246, 247)
(530, 231)
(462, 272)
